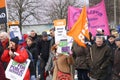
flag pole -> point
(6, 24)
(114, 13)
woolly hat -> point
(44, 34)
(111, 36)
(15, 40)
(99, 34)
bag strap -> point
(30, 55)
(57, 65)
(91, 54)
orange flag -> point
(80, 29)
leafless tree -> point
(58, 9)
(23, 10)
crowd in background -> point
(99, 60)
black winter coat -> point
(44, 49)
(34, 51)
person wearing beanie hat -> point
(44, 34)
(15, 40)
(111, 42)
(17, 53)
(100, 31)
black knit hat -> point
(111, 36)
(99, 34)
(44, 34)
(15, 40)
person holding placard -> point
(17, 53)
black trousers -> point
(82, 74)
(42, 69)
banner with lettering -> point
(3, 15)
(16, 71)
(97, 17)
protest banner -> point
(15, 70)
(61, 36)
(3, 16)
(96, 15)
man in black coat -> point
(44, 49)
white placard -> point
(16, 71)
(15, 32)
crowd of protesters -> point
(99, 60)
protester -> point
(2, 72)
(49, 66)
(17, 53)
(34, 35)
(111, 42)
(112, 45)
(52, 34)
(115, 33)
(116, 67)
(80, 54)
(32, 49)
(25, 36)
(4, 38)
(1, 50)
(4, 42)
(62, 65)
(36, 40)
(44, 49)
(99, 59)
(100, 31)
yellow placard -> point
(60, 22)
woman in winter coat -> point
(32, 49)
(62, 64)
(17, 53)
(80, 56)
